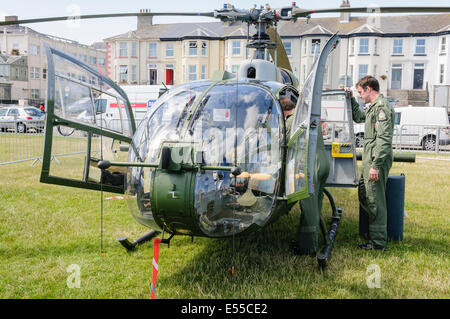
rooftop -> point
(382, 25)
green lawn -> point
(45, 228)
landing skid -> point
(131, 246)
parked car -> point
(21, 119)
(417, 126)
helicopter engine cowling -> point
(260, 70)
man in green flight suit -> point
(311, 207)
(377, 158)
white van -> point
(416, 125)
(110, 110)
(141, 97)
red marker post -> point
(156, 243)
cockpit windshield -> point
(162, 124)
(226, 124)
(236, 125)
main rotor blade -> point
(109, 15)
(299, 12)
(282, 58)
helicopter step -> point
(131, 246)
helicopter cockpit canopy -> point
(222, 125)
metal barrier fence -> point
(28, 145)
(18, 147)
(417, 138)
(425, 138)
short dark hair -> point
(287, 104)
(369, 81)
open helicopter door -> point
(302, 143)
(77, 134)
(339, 138)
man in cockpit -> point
(307, 242)
(288, 110)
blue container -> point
(395, 202)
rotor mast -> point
(261, 18)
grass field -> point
(44, 229)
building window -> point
(363, 70)
(192, 48)
(152, 50)
(315, 46)
(420, 46)
(374, 70)
(192, 72)
(398, 47)
(101, 61)
(352, 46)
(83, 58)
(35, 94)
(133, 73)
(234, 69)
(396, 80)
(123, 49)
(169, 50)
(93, 60)
(204, 46)
(34, 73)
(133, 49)
(441, 73)
(34, 49)
(203, 75)
(123, 70)
(236, 48)
(364, 46)
(44, 73)
(443, 45)
(375, 46)
(287, 47)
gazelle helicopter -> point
(211, 157)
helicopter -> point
(211, 157)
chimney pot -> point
(11, 18)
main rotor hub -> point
(261, 18)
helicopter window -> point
(286, 78)
(167, 118)
(73, 101)
(225, 111)
(237, 125)
(251, 73)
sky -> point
(95, 30)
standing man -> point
(377, 158)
